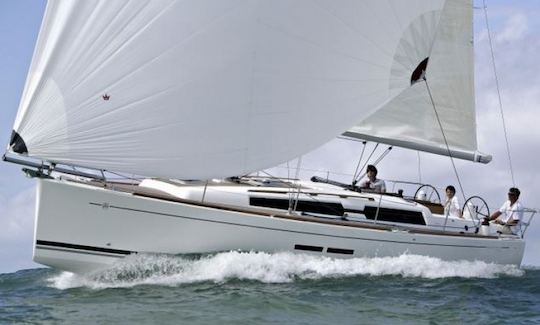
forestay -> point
(199, 89)
(409, 120)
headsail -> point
(209, 88)
(409, 120)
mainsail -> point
(212, 88)
(410, 119)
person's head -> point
(513, 194)
(450, 191)
(371, 171)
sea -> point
(281, 288)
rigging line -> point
(381, 157)
(318, 171)
(290, 194)
(359, 161)
(297, 176)
(280, 180)
(367, 160)
(124, 176)
(419, 169)
(444, 137)
(378, 160)
(499, 95)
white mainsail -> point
(409, 120)
(213, 88)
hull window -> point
(340, 251)
(308, 248)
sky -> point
(516, 40)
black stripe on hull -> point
(93, 249)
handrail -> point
(532, 212)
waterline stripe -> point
(83, 247)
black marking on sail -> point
(419, 72)
(17, 143)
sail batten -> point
(199, 89)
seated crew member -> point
(372, 182)
(509, 215)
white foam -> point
(271, 268)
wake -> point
(283, 267)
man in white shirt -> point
(372, 182)
(451, 206)
(510, 213)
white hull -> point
(81, 228)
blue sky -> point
(19, 26)
(515, 26)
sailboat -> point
(197, 95)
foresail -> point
(410, 120)
(198, 89)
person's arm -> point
(495, 215)
(364, 183)
(512, 222)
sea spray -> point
(283, 267)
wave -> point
(271, 268)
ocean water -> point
(281, 288)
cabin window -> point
(328, 208)
(395, 215)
